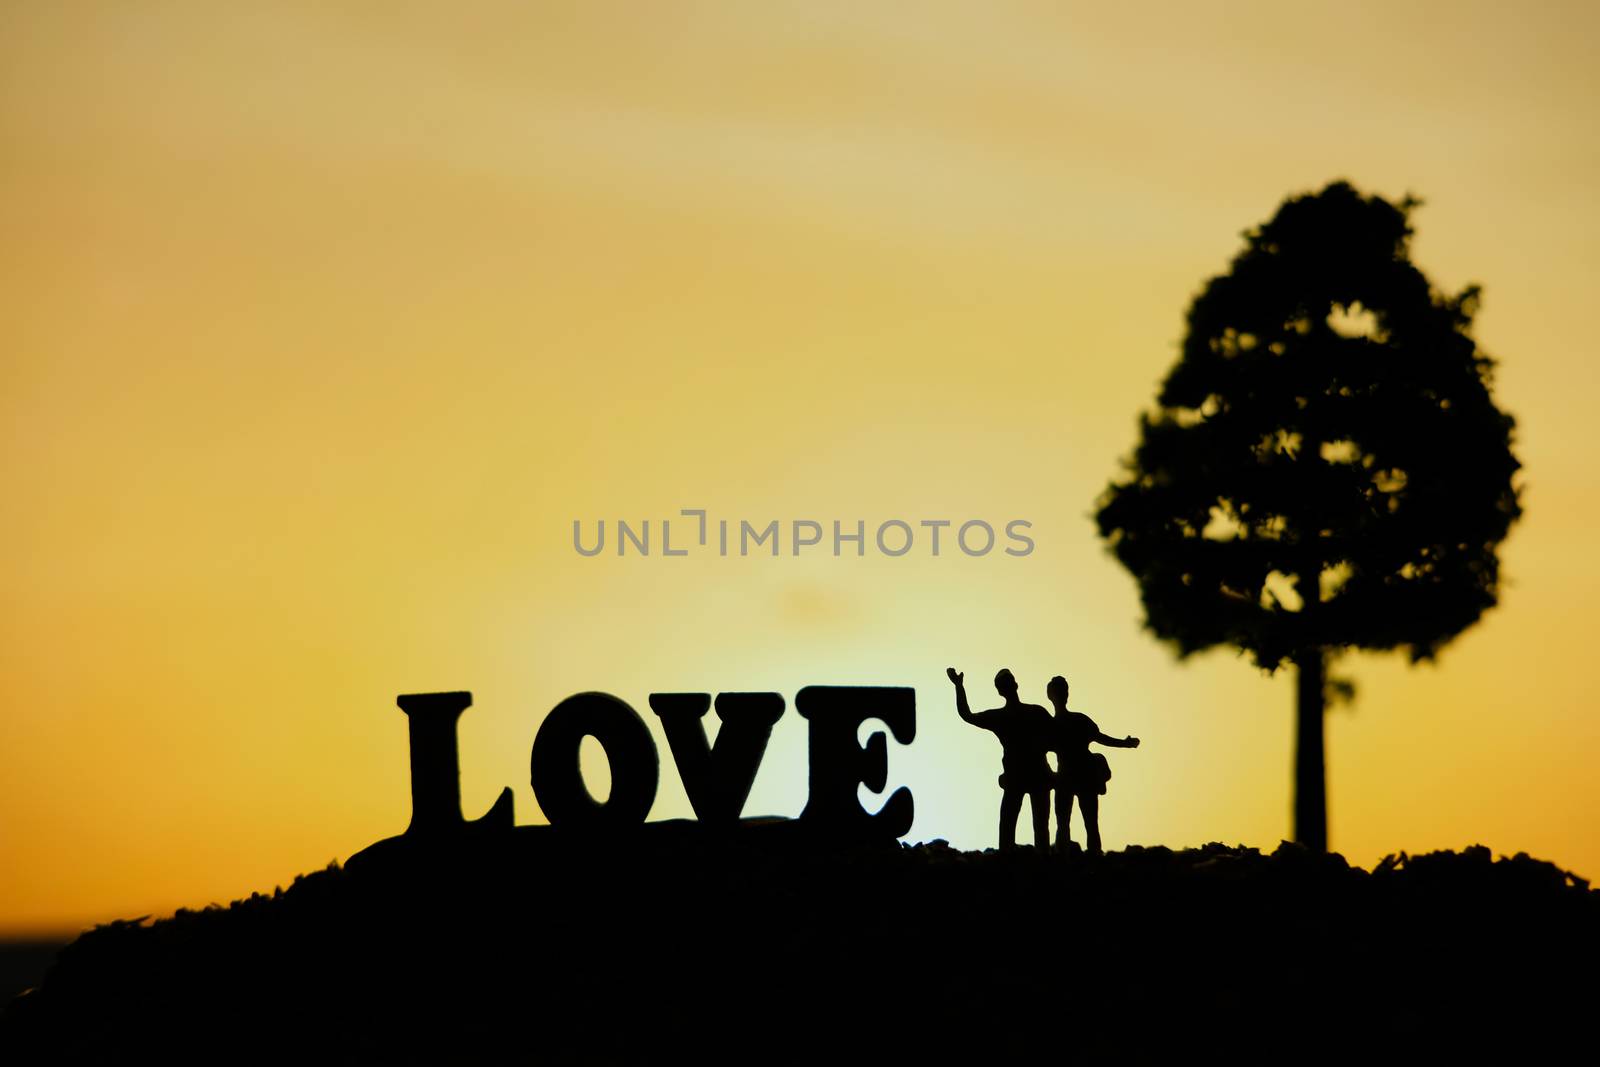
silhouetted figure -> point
(1024, 733)
(1079, 772)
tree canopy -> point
(1326, 466)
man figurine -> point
(1024, 731)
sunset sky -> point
(324, 322)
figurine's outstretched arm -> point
(1115, 742)
(961, 695)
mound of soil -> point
(764, 947)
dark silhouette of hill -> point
(677, 942)
(23, 961)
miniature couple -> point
(1027, 732)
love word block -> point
(716, 776)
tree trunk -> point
(1310, 782)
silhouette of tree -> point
(1326, 468)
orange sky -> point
(323, 324)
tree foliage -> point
(1326, 467)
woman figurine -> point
(1079, 772)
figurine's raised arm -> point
(961, 693)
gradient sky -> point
(324, 322)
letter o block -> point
(558, 779)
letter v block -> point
(718, 777)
